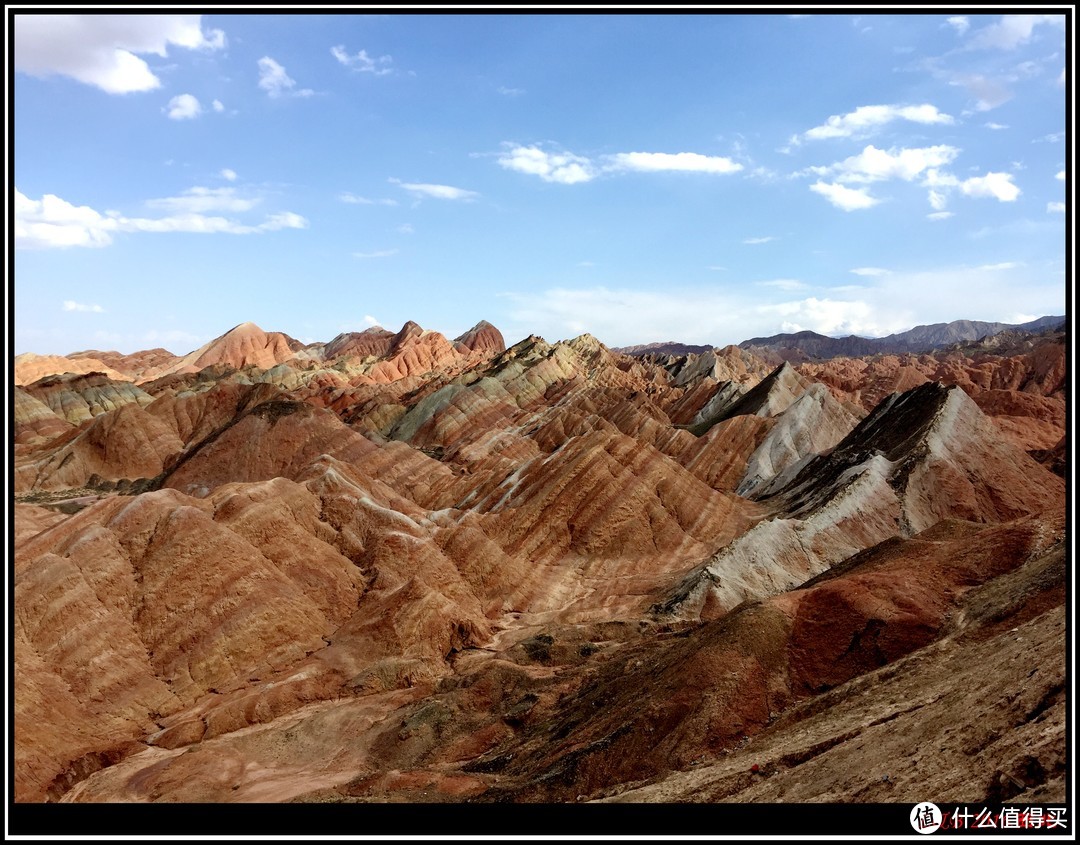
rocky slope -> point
(398, 567)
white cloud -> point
(382, 253)
(354, 199)
(1003, 265)
(997, 185)
(281, 220)
(959, 22)
(199, 200)
(563, 168)
(940, 215)
(720, 315)
(847, 199)
(371, 321)
(100, 50)
(72, 305)
(510, 92)
(762, 240)
(1060, 175)
(51, 222)
(870, 271)
(874, 165)
(784, 284)
(406, 229)
(228, 173)
(865, 119)
(183, 107)
(1012, 31)
(685, 162)
(442, 192)
(362, 62)
(692, 315)
(937, 200)
(993, 125)
(826, 316)
(218, 106)
(1055, 208)
(276, 82)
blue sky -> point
(703, 178)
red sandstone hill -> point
(400, 567)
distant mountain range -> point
(803, 346)
(669, 347)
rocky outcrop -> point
(922, 456)
(483, 337)
(1023, 392)
(30, 367)
(34, 421)
(126, 443)
(375, 342)
(245, 345)
(810, 426)
(77, 398)
(135, 366)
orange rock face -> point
(397, 567)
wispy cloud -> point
(371, 321)
(100, 50)
(510, 92)
(783, 284)
(72, 305)
(940, 215)
(228, 174)
(276, 82)
(997, 126)
(865, 120)
(200, 200)
(355, 199)
(1012, 31)
(51, 222)
(441, 192)
(1055, 208)
(363, 63)
(684, 162)
(381, 253)
(183, 107)
(1060, 175)
(567, 168)
(846, 199)
(218, 106)
(960, 23)
(870, 271)
(762, 240)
